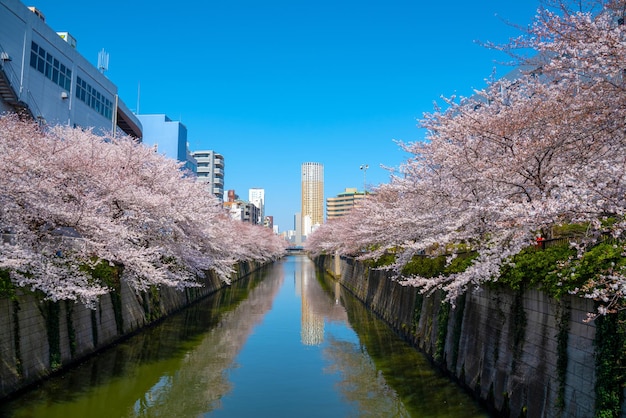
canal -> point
(280, 343)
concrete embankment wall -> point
(39, 337)
(521, 352)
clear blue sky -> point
(272, 84)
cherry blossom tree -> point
(541, 147)
(72, 199)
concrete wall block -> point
(34, 348)
(105, 321)
(81, 319)
(132, 309)
(8, 364)
(486, 353)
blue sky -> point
(273, 84)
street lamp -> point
(364, 167)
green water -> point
(282, 343)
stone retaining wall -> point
(38, 338)
(501, 344)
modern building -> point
(43, 76)
(210, 170)
(340, 205)
(297, 236)
(241, 210)
(312, 196)
(168, 137)
(256, 196)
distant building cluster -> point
(44, 77)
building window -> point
(50, 67)
(93, 98)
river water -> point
(281, 343)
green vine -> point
(71, 332)
(110, 275)
(442, 331)
(563, 314)
(541, 269)
(151, 301)
(51, 311)
(7, 288)
(94, 328)
(458, 327)
(610, 362)
(16, 338)
(417, 311)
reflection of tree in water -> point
(199, 381)
(361, 384)
(385, 376)
(176, 368)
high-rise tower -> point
(312, 196)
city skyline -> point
(271, 85)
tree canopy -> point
(542, 147)
(72, 199)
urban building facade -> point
(312, 196)
(340, 205)
(168, 137)
(256, 196)
(43, 76)
(241, 210)
(210, 170)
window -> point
(50, 67)
(93, 98)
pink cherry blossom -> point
(541, 147)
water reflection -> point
(316, 305)
(174, 369)
(264, 347)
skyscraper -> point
(312, 195)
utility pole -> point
(364, 167)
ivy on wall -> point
(51, 311)
(442, 331)
(610, 364)
(563, 316)
(458, 327)
(16, 338)
(71, 331)
(110, 274)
